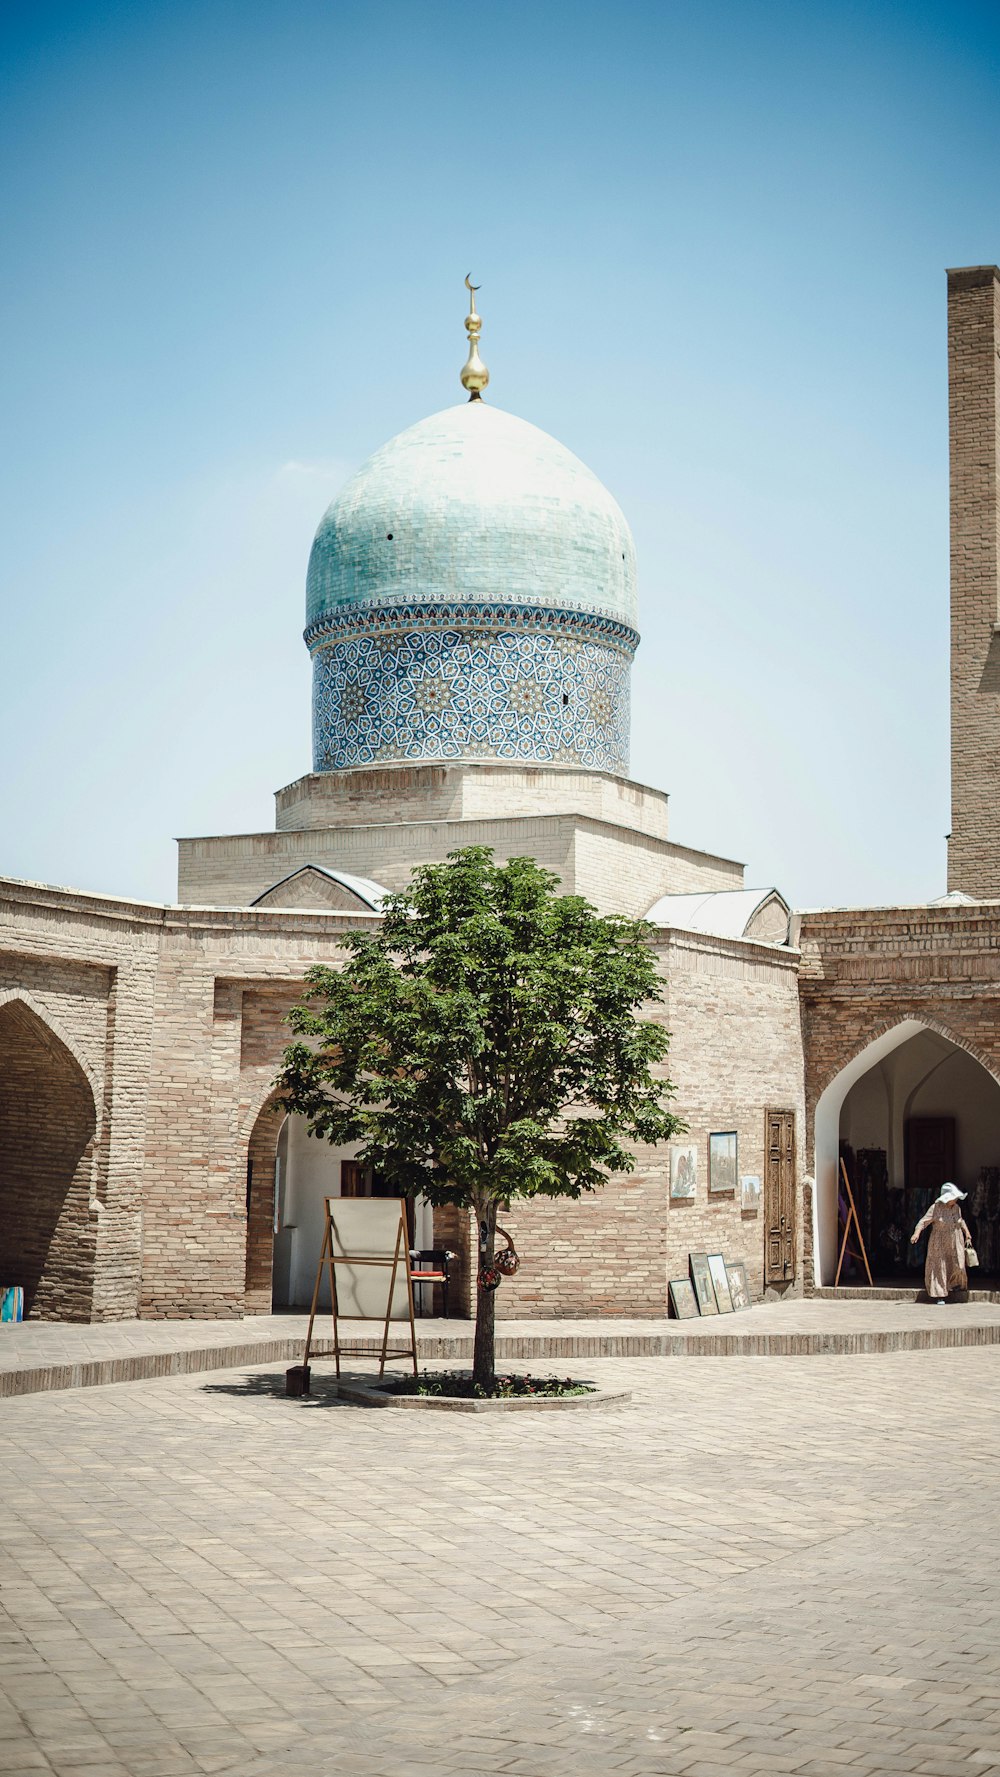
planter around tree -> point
(363, 1394)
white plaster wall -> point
(959, 1087)
(312, 1175)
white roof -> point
(723, 913)
(371, 893)
(362, 886)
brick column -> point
(974, 427)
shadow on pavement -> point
(323, 1392)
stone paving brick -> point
(200, 1576)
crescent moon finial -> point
(475, 375)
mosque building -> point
(472, 617)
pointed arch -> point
(919, 1020)
(48, 1136)
(877, 1047)
(20, 995)
(262, 1096)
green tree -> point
(485, 1045)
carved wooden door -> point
(930, 1152)
(779, 1197)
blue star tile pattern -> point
(470, 681)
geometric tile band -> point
(488, 686)
(377, 617)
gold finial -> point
(475, 375)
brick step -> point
(739, 1339)
(887, 1292)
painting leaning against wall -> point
(701, 1281)
(720, 1282)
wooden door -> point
(355, 1179)
(930, 1152)
(779, 1197)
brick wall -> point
(119, 1184)
(628, 877)
(85, 964)
(454, 1231)
(974, 419)
(732, 1011)
(466, 791)
(180, 1014)
(864, 972)
(618, 868)
(194, 1211)
(232, 871)
(809, 1279)
(736, 1052)
(224, 986)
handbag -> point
(971, 1255)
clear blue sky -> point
(711, 239)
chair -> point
(430, 1265)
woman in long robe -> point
(944, 1268)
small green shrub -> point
(459, 1385)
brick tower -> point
(974, 429)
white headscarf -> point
(950, 1194)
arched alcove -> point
(289, 1175)
(911, 1109)
(48, 1124)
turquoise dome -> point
(473, 505)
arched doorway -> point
(911, 1110)
(289, 1174)
(48, 1121)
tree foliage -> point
(485, 1043)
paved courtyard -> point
(757, 1565)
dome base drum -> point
(470, 682)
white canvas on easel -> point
(366, 1255)
(365, 1231)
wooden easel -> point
(852, 1216)
(394, 1257)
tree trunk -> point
(484, 1350)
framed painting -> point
(750, 1193)
(683, 1170)
(720, 1282)
(701, 1278)
(683, 1301)
(739, 1283)
(722, 1161)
